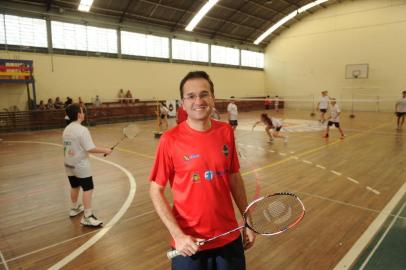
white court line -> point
(295, 157)
(282, 154)
(347, 261)
(321, 167)
(336, 173)
(109, 225)
(373, 190)
(3, 261)
(353, 180)
(307, 161)
(74, 238)
(382, 237)
(272, 151)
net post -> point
(352, 115)
(312, 114)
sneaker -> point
(73, 212)
(91, 221)
(270, 141)
(342, 137)
(325, 136)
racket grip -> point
(172, 254)
(105, 155)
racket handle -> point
(172, 254)
(112, 148)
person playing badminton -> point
(273, 127)
(78, 144)
(199, 160)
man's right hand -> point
(187, 245)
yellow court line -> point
(308, 152)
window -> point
(2, 33)
(224, 55)
(24, 31)
(83, 38)
(144, 45)
(252, 59)
(101, 39)
(69, 36)
(187, 50)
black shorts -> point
(336, 124)
(163, 116)
(400, 114)
(323, 110)
(278, 128)
(233, 122)
(86, 183)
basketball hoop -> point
(356, 73)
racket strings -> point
(131, 131)
(275, 214)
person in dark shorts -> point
(232, 111)
(334, 119)
(400, 110)
(78, 144)
(198, 160)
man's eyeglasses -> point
(202, 95)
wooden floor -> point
(344, 184)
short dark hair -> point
(72, 111)
(404, 92)
(196, 75)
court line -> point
(348, 260)
(110, 224)
(3, 261)
(353, 180)
(76, 237)
(382, 237)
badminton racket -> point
(268, 215)
(129, 132)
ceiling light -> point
(202, 12)
(310, 5)
(287, 18)
(85, 5)
(275, 26)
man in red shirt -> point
(198, 157)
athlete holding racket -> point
(78, 143)
(198, 157)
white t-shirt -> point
(276, 122)
(401, 105)
(324, 102)
(77, 141)
(233, 111)
(335, 110)
(164, 109)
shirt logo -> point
(208, 175)
(195, 177)
(192, 156)
(225, 150)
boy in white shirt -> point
(334, 118)
(232, 111)
(400, 109)
(78, 144)
(323, 105)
